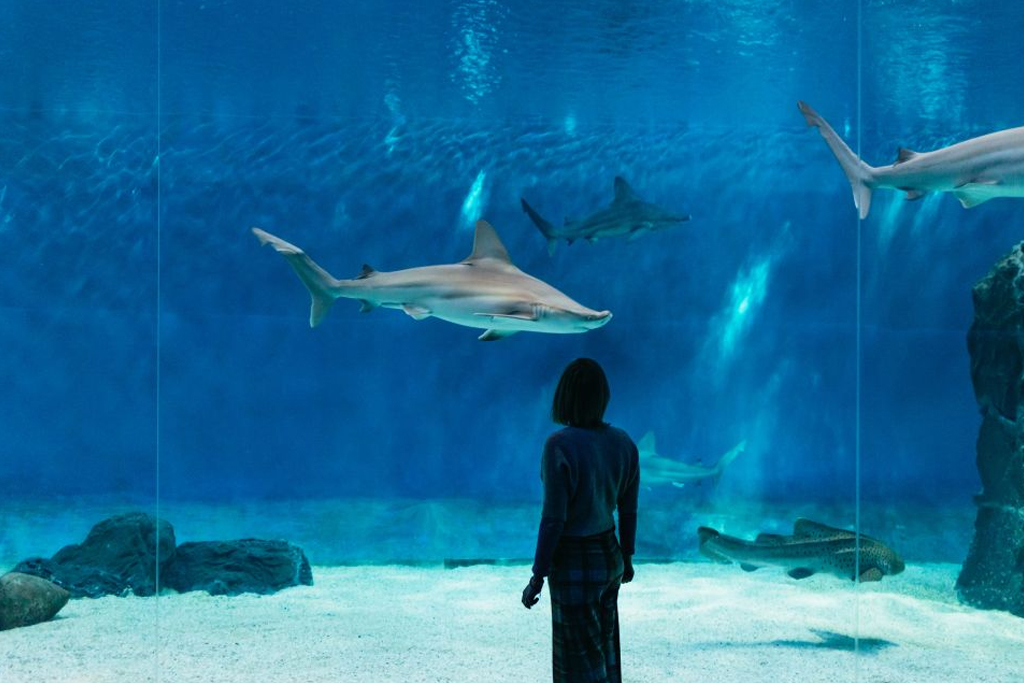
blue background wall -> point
(359, 130)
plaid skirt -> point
(584, 585)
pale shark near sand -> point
(812, 548)
(626, 215)
(974, 170)
(659, 470)
(484, 291)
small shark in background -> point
(626, 215)
(812, 548)
(660, 470)
(975, 170)
(484, 291)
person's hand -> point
(627, 569)
(532, 591)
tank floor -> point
(680, 622)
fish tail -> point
(857, 172)
(727, 459)
(321, 285)
(546, 228)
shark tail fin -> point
(546, 228)
(857, 172)
(727, 459)
(646, 445)
(317, 280)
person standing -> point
(589, 470)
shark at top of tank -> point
(974, 170)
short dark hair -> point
(582, 395)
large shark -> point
(658, 470)
(626, 215)
(812, 548)
(974, 170)
(484, 291)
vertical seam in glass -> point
(857, 380)
(159, 211)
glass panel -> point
(379, 134)
(938, 73)
(77, 333)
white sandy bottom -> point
(680, 622)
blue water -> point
(146, 337)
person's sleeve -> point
(547, 541)
(554, 472)
(627, 503)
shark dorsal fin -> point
(623, 192)
(486, 245)
(904, 154)
(807, 528)
(772, 539)
(366, 272)
(646, 445)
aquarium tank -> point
(788, 230)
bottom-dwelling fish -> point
(812, 548)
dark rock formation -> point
(232, 567)
(119, 555)
(80, 581)
(993, 573)
(26, 600)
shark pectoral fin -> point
(495, 335)
(749, 567)
(969, 200)
(800, 573)
(873, 574)
(912, 195)
(366, 306)
(416, 312)
(552, 243)
(678, 484)
(639, 232)
(973, 193)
